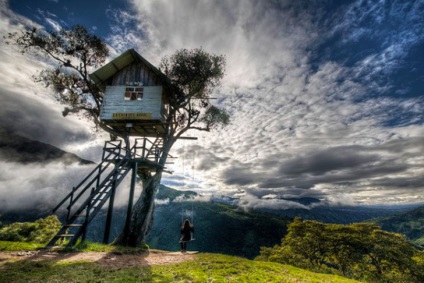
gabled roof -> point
(128, 57)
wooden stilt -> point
(130, 202)
(110, 212)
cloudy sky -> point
(326, 97)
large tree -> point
(191, 76)
(359, 250)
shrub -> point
(40, 231)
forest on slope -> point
(410, 224)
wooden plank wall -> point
(114, 102)
(136, 72)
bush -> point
(40, 231)
(360, 250)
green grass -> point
(205, 268)
(82, 247)
(19, 246)
(222, 268)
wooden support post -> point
(110, 209)
(70, 204)
(144, 149)
(87, 215)
(98, 176)
(104, 151)
(127, 147)
(130, 202)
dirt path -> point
(103, 258)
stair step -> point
(73, 225)
(65, 235)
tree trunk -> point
(142, 211)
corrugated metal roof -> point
(128, 57)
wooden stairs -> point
(91, 194)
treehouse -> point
(135, 95)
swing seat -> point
(192, 239)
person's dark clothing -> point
(186, 232)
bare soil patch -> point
(111, 260)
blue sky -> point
(92, 14)
(326, 97)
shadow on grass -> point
(117, 265)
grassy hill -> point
(410, 223)
(203, 268)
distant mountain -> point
(165, 193)
(409, 223)
(340, 214)
(304, 200)
(16, 148)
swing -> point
(184, 238)
(191, 222)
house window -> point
(127, 95)
(140, 92)
(132, 93)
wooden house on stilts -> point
(135, 95)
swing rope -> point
(182, 202)
(192, 178)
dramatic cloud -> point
(325, 98)
(304, 114)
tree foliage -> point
(361, 251)
(71, 55)
(193, 75)
(40, 231)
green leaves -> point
(193, 75)
(64, 46)
(71, 52)
(195, 72)
(359, 251)
(215, 117)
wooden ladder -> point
(102, 188)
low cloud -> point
(43, 187)
(249, 201)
